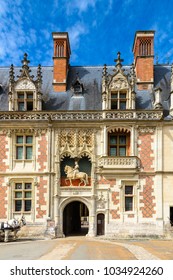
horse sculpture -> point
(13, 225)
(77, 175)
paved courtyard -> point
(83, 248)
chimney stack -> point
(143, 49)
(60, 60)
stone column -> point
(92, 217)
(105, 140)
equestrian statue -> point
(74, 173)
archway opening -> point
(75, 219)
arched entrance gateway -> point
(75, 219)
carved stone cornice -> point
(35, 131)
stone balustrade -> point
(129, 162)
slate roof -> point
(91, 78)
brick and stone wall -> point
(41, 198)
(146, 151)
(116, 202)
(3, 199)
(42, 153)
(4, 150)
(147, 198)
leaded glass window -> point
(129, 198)
(24, 147)
(22, 197)
(118, 144)
(25, 100)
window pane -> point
(114, 104)
(20, 96)
(18, 205)
(122, 105)
(122, 139)
(113, 139)
(18, 186)
(28, 152)
(29, 96)
(19, 139)
(128, 189)
(18, 194)
(28, 186)
(128, 203)
(19, 152)
(122, 95)
(114, 95)
(29, 139)
(27, 205)
(27, 194)
(113, 151)
(122, 151)
(21, 106)
(29, 106)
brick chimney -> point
(61, 58)
(143, 49)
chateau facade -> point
(88, 150)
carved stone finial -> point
(158, 102)
(104, 73)
(11, 73)
(39, 74)
(118, 61)
(25, 68)
(25, 60)
(133, 76)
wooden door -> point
(100, 224)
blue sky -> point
(98, 29)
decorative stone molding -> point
(119, 82)
(25, 85)
(83, 116)
(101, 201)
(76, 142)
(146, 129)
(35, 131)
(119, 162)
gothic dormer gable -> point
(25, 91)
(118, 80)
(118, 89)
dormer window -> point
(118, 100)
(77, 86)
(25, 100)
(25, 91)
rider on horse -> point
(75, 169)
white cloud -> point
(79, 6)
(75, 33)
